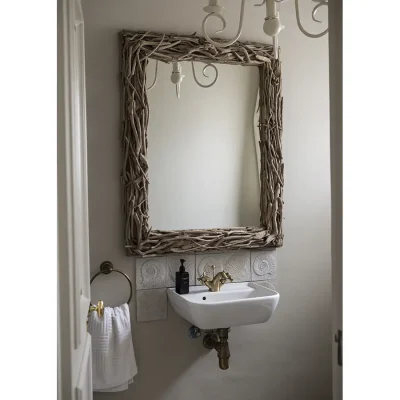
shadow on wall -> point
(164, 354)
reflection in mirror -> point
(201, 148)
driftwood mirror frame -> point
(140, 238)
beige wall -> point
(290, 356)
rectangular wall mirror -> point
(202, 156)
(205, 171)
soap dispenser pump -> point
(182, 280)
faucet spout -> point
(215, 284)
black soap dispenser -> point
(182, 280)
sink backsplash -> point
(154, 275)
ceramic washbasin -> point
(235, 304)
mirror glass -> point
(203, 148)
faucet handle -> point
(228, 275)
(203, 278)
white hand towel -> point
(114, 364)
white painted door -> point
(74, 343)
(336, 129)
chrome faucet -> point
(215, 284)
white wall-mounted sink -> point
(236, 304)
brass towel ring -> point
(106, 268)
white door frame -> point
(73, 294)
(336, 129)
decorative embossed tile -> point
(263, 265)
(204, 262)
(236, 263)
(151, 273)
(151, 305)
(173, 263)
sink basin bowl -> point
(236, 304)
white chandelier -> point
(177, 76)
(272, 25)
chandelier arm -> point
(231, 41)
(315, 9)
(310, 35)
(204, 69)
(155, 77)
